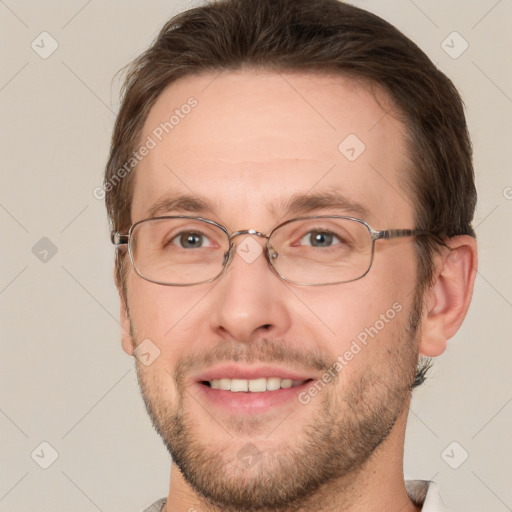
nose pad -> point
(272, 253)
(228, 257)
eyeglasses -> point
(310, 251)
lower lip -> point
(244, 402)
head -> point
(263, 95)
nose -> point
(249, 299)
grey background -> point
(64, 379)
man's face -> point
(253, 142)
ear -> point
(447, 300)
(124, 318)
(126, 338)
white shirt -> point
(425, 493)
(420, 491)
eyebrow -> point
(296, 205)
(183, 202)
(305, 203)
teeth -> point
(254, 385)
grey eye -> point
(190, 240)
(319, 239)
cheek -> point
(365, 316)
(168, 316)
(341, 313)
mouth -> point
(248, 390)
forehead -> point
(250, 143)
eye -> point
(323, 238)
(190, 240)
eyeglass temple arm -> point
(118, 239)
(397, 233)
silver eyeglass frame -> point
(119, 239)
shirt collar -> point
(425, 493)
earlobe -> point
(447, 300)
(433, 340)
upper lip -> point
(237, 371)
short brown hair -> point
(311, 36)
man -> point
(291, 192)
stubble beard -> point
(349, 424)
